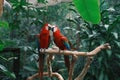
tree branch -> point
(1, 7)
(90, 59)
(54, 74)
(66, 52)
(49, 58)
(52, 51)
(74, 59)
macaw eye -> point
(49, 28)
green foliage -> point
(6, 72)
(5, 59)
(107, 63)
(25, 21)
(41, 1)
(89, 10)
(4, 24)
(1, 46)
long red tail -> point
(41, 65)
(67, 62)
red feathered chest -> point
(59, 40)
(44, 38)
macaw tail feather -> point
(41, 65)
(67, 62)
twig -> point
(49, 58)
(90, 59)
(74, 59)
(1, 7)
(54, 74)
(66, 52)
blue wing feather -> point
(67, 45)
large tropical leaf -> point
(1, 46)
(8, 73)
(89, 10)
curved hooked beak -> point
(50, 27)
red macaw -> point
(62, 42)
(43, 43)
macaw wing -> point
(66, 58)
(67, 45)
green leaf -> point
(32, 69)
(1, 46)
(118, 43)
(8, 73)
(11, 58)
(4, 24)
(117, 55)
(3, 58)
(73, 10)
(115, 34)
(118, 63)
(89, 10)
(101, 75)
(41, 1)
(71, 20)
(109, 52)
(2, 68)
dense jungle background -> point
(21, 22)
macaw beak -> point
(51, 28)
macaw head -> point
(46, 27)
(54, 28)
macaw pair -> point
(44, 40)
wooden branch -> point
(90, 59)
(66, 52)
(1, 7)
(49, 58)
(54, 74)
(52, 51)
(74, 59)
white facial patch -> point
(55, 29)
(48, 26)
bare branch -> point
(52, 51)
(74, 59)
(54, 74)
(90, 59)
(1, 7)
(66, 52)
(49, 58)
